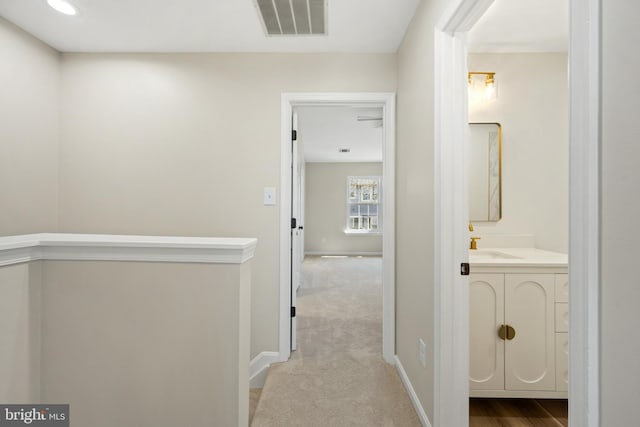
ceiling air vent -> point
(293, 17)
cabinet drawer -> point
(562, 287)
(562, 317)
(562, 361)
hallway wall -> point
(29, 113)
(183, 144)
(620, 210)
(415, 200)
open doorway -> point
(337, 179)
(363, 105)
(518, 169)
(452, 296)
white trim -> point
(259, 367)
(110, 247)
(518, 394)
(422, 415)
(584, 195)
(388, 102)
(362, 233)
(451, 334)
(584, 212)
(341, 253)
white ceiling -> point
(324, 130)
(522, 26)
(206, 26)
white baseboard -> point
(259, 367)
(343, 253)
(422, 415)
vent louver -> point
(293, 17)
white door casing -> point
(296, 238)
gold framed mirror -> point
(485, 172)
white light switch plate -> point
(422, 353)
(269, 196)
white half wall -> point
(532, 107)
(143, 336)
(326, 209)
(20, 333)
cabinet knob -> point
(506, 332)
(502, 332)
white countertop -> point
(517, 257)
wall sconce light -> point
(478, 91)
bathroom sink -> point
(490, 254)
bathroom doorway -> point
(452, 213)
(518, 170)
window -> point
(364, 213)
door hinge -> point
(293, 223)
(293, 312)
(465, 269)
(294, 135)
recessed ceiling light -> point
(62, 7)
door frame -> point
(451, 387)
(387, 101)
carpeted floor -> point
(337, 376)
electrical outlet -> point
(422, 353)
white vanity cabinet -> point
(518, 332)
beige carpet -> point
(337, 376)
(254, 398)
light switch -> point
(269, 196)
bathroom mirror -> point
(485, 171)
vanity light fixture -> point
(489, 85)
(62, 7)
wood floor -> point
(518, 413)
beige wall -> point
(183, 144)
(620, 293)
(532, 107)
(326, 209)
(414, 199)
(146, 344)
(29, 107)
(20, 333)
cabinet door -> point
(486, 314)
(530, 310)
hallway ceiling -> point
(206, 26)
(522, 26)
